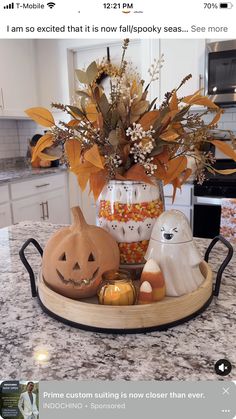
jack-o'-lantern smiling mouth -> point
(79, 283)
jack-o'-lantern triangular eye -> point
(91, 258)
(63, 256)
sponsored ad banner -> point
(117, 399)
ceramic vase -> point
(128, 211)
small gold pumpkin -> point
(117, 290)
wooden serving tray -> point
(90, 315)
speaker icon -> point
(51, 4)
(223, 367)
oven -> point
(220, 76)
(207, 201)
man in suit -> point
(27, 403)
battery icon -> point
(226, 5)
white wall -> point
(15, 135)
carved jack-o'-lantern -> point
(76, 257)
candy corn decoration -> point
(152, 274)
(145, 293)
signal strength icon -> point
(9, 6)
(51, 4)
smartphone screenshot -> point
(117, 209)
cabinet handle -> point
(200, 82)
(42, 205)
(2, 105)
(168, 196)
(47, 210)
(41, 186)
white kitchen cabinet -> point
(5, 208)
(183, 200)
(42, 199)
(5, 215)
(28, 209)
(57, 209)
(4, 194)
(51, 207)
(17, 77)
(182, 57)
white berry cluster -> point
(114, 160)
(140, 151)
(149, 167)
(137, 132)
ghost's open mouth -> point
(79, 283)
(168, 236)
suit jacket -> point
(26, 408)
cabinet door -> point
(17, 76)
(28, 209)
(182, 57)
(5, 215)
(56, 207)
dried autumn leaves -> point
(123, 137)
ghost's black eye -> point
(162, 229)
(175, 229)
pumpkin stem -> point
(79, 220)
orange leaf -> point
(188, 99)
(175, 167)
(44, 142)
(93, 156)
(119, 176)
(83, 172)
(148, 119)
(163, 157)
(198, 99)
(225, 148)
(100, 120)
(169, 135)
(134, 88)
(169, 117)
(83, 180)
(216, 118)
(42, 116)
(47, 157)
(186, 175)
(176, 184)
(205, 101)
(91, 112)
(160, 172)
(137, 172)
(73, 151)
(225, 171)
(174, 102)
(73, 123)
(97, 182)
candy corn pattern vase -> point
(128, 211)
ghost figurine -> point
(172, 247)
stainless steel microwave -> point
(220, 77)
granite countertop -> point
(23, 173)
(186, 352)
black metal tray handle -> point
(27, 265)
(225, 262)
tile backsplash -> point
(15, 135)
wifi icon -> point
(51, 4)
